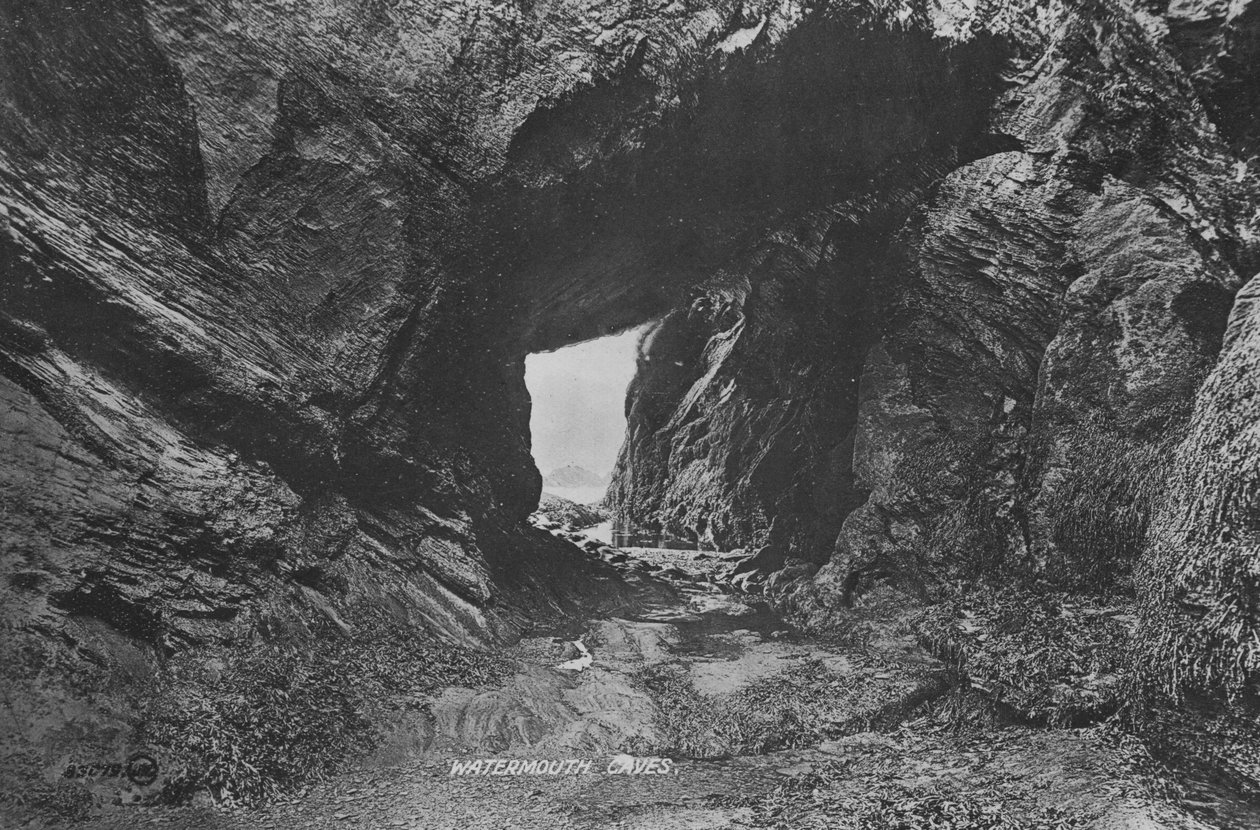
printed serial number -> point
(93, 771)
(140, 769)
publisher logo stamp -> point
(142, 769)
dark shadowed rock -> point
(980, 366)
(935, 289)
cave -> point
(947, 349)
(576, 427)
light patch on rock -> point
(581, 662)
(741, 39)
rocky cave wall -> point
(982, 367)
(930, 276)
(262, 365)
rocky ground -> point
(558, 512)
(764, 727)
(956, 300)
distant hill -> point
(572, 475)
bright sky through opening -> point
(579, 396)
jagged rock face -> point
(259, 361)
(982, 368)
(1196, 644)
(1218, 44)
(270, 274)
(308, 249)
(1198, 637)
(1202, 574)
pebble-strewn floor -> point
(725, 641)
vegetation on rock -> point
(247, 724)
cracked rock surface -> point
(941, 292)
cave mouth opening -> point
(578, 415)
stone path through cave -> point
(722, 643)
